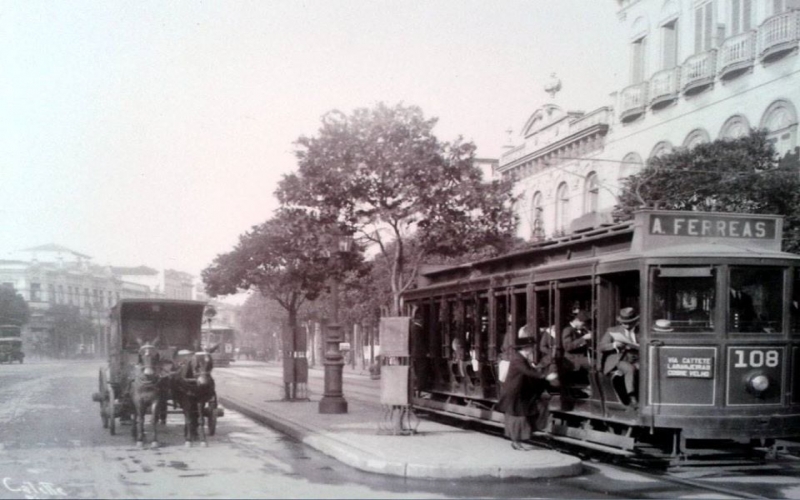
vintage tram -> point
(223, 337)
(11, 344)
(727, 371)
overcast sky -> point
(153, 132)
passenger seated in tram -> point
(577, 339)
(743, 312)
(620, 349)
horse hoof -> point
(204, 444)
(154, 444)
(188, 444)
(139, 444)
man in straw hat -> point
(662, 326)
(620, 348)
(521, 391)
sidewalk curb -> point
(364, 460)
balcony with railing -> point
(737, 55)
(633, 101)
(698, 72)
(778, 35)
(664, 87)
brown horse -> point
(193, 387)
(146, 392)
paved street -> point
(53, 446)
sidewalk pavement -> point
(436, 451)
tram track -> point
(364, 390)
(658, 470)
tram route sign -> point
(660, 228)
(690, 367)
(682, 375)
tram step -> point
(598, 437)
(594, 446)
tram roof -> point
(702, 250)
(651, 234)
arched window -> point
(661, 149)
(695, 137)
(537, 216)
(734, 127)
(780, 120)
(631, 164)
(591, 193)
(562, 206)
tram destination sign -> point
(659, 229)
(713, 226)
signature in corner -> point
(41, 489)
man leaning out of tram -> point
(520, 397)
(620, 349)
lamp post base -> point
(332, 405)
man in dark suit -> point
(520, 397)
(620, 348)
(576, 340)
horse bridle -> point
(149, 352)
(202, 360)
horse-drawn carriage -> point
(154, 359)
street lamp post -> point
(332, 398)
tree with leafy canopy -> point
(286, 259)
(725, 175)
(13, 308)
(383, 175)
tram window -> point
(574, 300)
(501, 317)
(438, 330)
(521, 318)
(686, 300)
(755, 299)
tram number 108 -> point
(755, 358)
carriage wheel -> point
(101, 389)
(112, 421)
(212, 416)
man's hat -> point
(525, 342)
(627, 315)
(580, 316)
(662, 325)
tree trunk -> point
(289, 348)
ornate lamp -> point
(333, 401)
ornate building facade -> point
(697, 70)
(53, 278)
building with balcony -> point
(706, 69)
(698, 70)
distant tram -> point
(11, 344)
(727, 371)
(226, 338)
